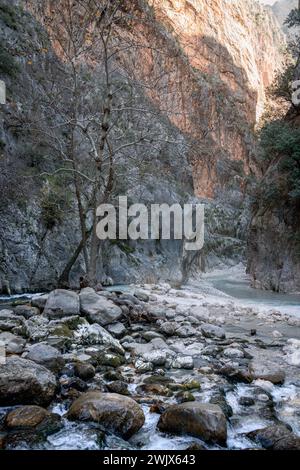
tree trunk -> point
(63, 280)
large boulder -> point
(13, 344)
(25, 382)
(212, 331)
(97, 308)
(26, 311)
(115, 413)
(276, 437)
(9, 321)
(32, 416)
(39, 301)
(266, 371)
(62, 303)
(29, 425)
(47, 356)
(96, 335)
(202, 420)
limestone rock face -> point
(114, 412)
(234, 45)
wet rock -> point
(219, 399)
(185, 331)
(26, 311)
(142, 367)
(97, 308)
(46, 356)
(96, 335)
(119, 387)
(39, 301)
(266, 371)
(62, 303)
(25, 382)
(117, 330)
(195, 446)
(156, 357)
(27, 417)
(112, 360)
(168, 328)
(84, 371)
(141, 295)
(233, 353)
(246, 401)
(9, 321)
(13, 344)
(149, 335)
(113, 375)
(184, 397)
(212, 331)
(201, 420)
(37, 328)
(75, 383)
(115, 413)
(235, 374)
(30, 425)
(183, 362)
(276, 437)
(154, 389)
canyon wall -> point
(204, 66)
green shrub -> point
(8, 15)
(8, 65)
(54, 201)
(281, 141)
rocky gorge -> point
(147, 367)
(141, 344)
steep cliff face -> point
(281, 9)
(204, 66)
(232, 51)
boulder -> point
(30, 416)
(115, 413)
(9, 321)
(62, 303)
(142, 296)
(37, 328)
(233, 353)
(212, 331)
(96, 335)
(84, 371)
(183, 362)
(118, 330)
(26, 311)
(30, 425)
(202, 420)
(47, 356)
(97, 308)
(13, 344)
(266, 371)
(39, 301)
(25, 382)
(276, 437)
(156, 357)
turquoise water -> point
(239, 288)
